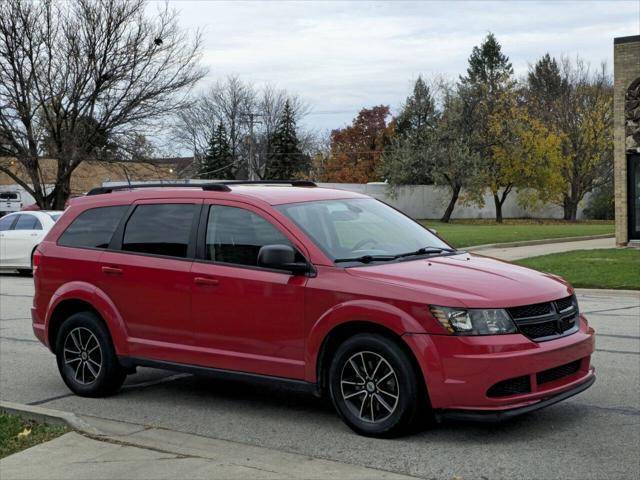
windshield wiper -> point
(427, 251)
(387, 258)
(367, 259)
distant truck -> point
(14, 198)
(10, 202)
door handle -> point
(111, 270)
(205, 281)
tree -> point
(486, 91)
(218, 159)
(75, 75)
(576, 104)
(250, 116)
(286, 160)
(527, 155)
(418, 114)
(356, 150)
(441, 156)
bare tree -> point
(249, 116)
(78, 77)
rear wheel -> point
(86, 358)
(374, 386)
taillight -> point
(35, 262)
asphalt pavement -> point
(594, 435)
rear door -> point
(246, 318)
(5, 226)
(146, 273)
(20, 241)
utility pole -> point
(251, 163)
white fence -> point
(429, 201)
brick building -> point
(626, 107)
(92, 174)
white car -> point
(20, 234)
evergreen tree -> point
(415, 129)
(487, 92)
(285, 159)
(218, 161)
(545, 90)
(418, 114)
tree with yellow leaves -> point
(575, 103)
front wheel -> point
(374, 386)
(86, 358)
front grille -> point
(529, 311)
(539, 330)
(543, 321)
(513, 386)
(558, 372)
(564, 303)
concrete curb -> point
(600, 291)
(526, 243)
(46, 415)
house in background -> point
(92, 174)
(626, 110)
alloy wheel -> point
(82, 353)
(369, 387)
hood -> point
(473, 280)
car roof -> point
(37, 213)
(270, 194)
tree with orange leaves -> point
(356, 150)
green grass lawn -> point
(606, 268)
(465, 233)
(12, 426)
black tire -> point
(25, 272)
(374, 419)
(95, 372)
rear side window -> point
(93, 228)
(6, 222)
(27, 222)
(160, 229)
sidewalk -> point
(516, 253)
(130, 451)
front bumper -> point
(501, 415)
(460, 370)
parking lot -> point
(593, 435)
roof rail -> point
(219, 187)
(222, 186)
(293, 183)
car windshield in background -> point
(55, 216)
(357, 231)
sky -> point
(343, 56)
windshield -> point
(363, 230)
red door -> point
(149, 279)
(246, 318)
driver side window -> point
(235, 235)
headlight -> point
(474, 322)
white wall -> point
(429, 201)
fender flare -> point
(370, 311)
(100, 302)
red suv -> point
(324, 290)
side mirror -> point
(432, 230)
(281, 257)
